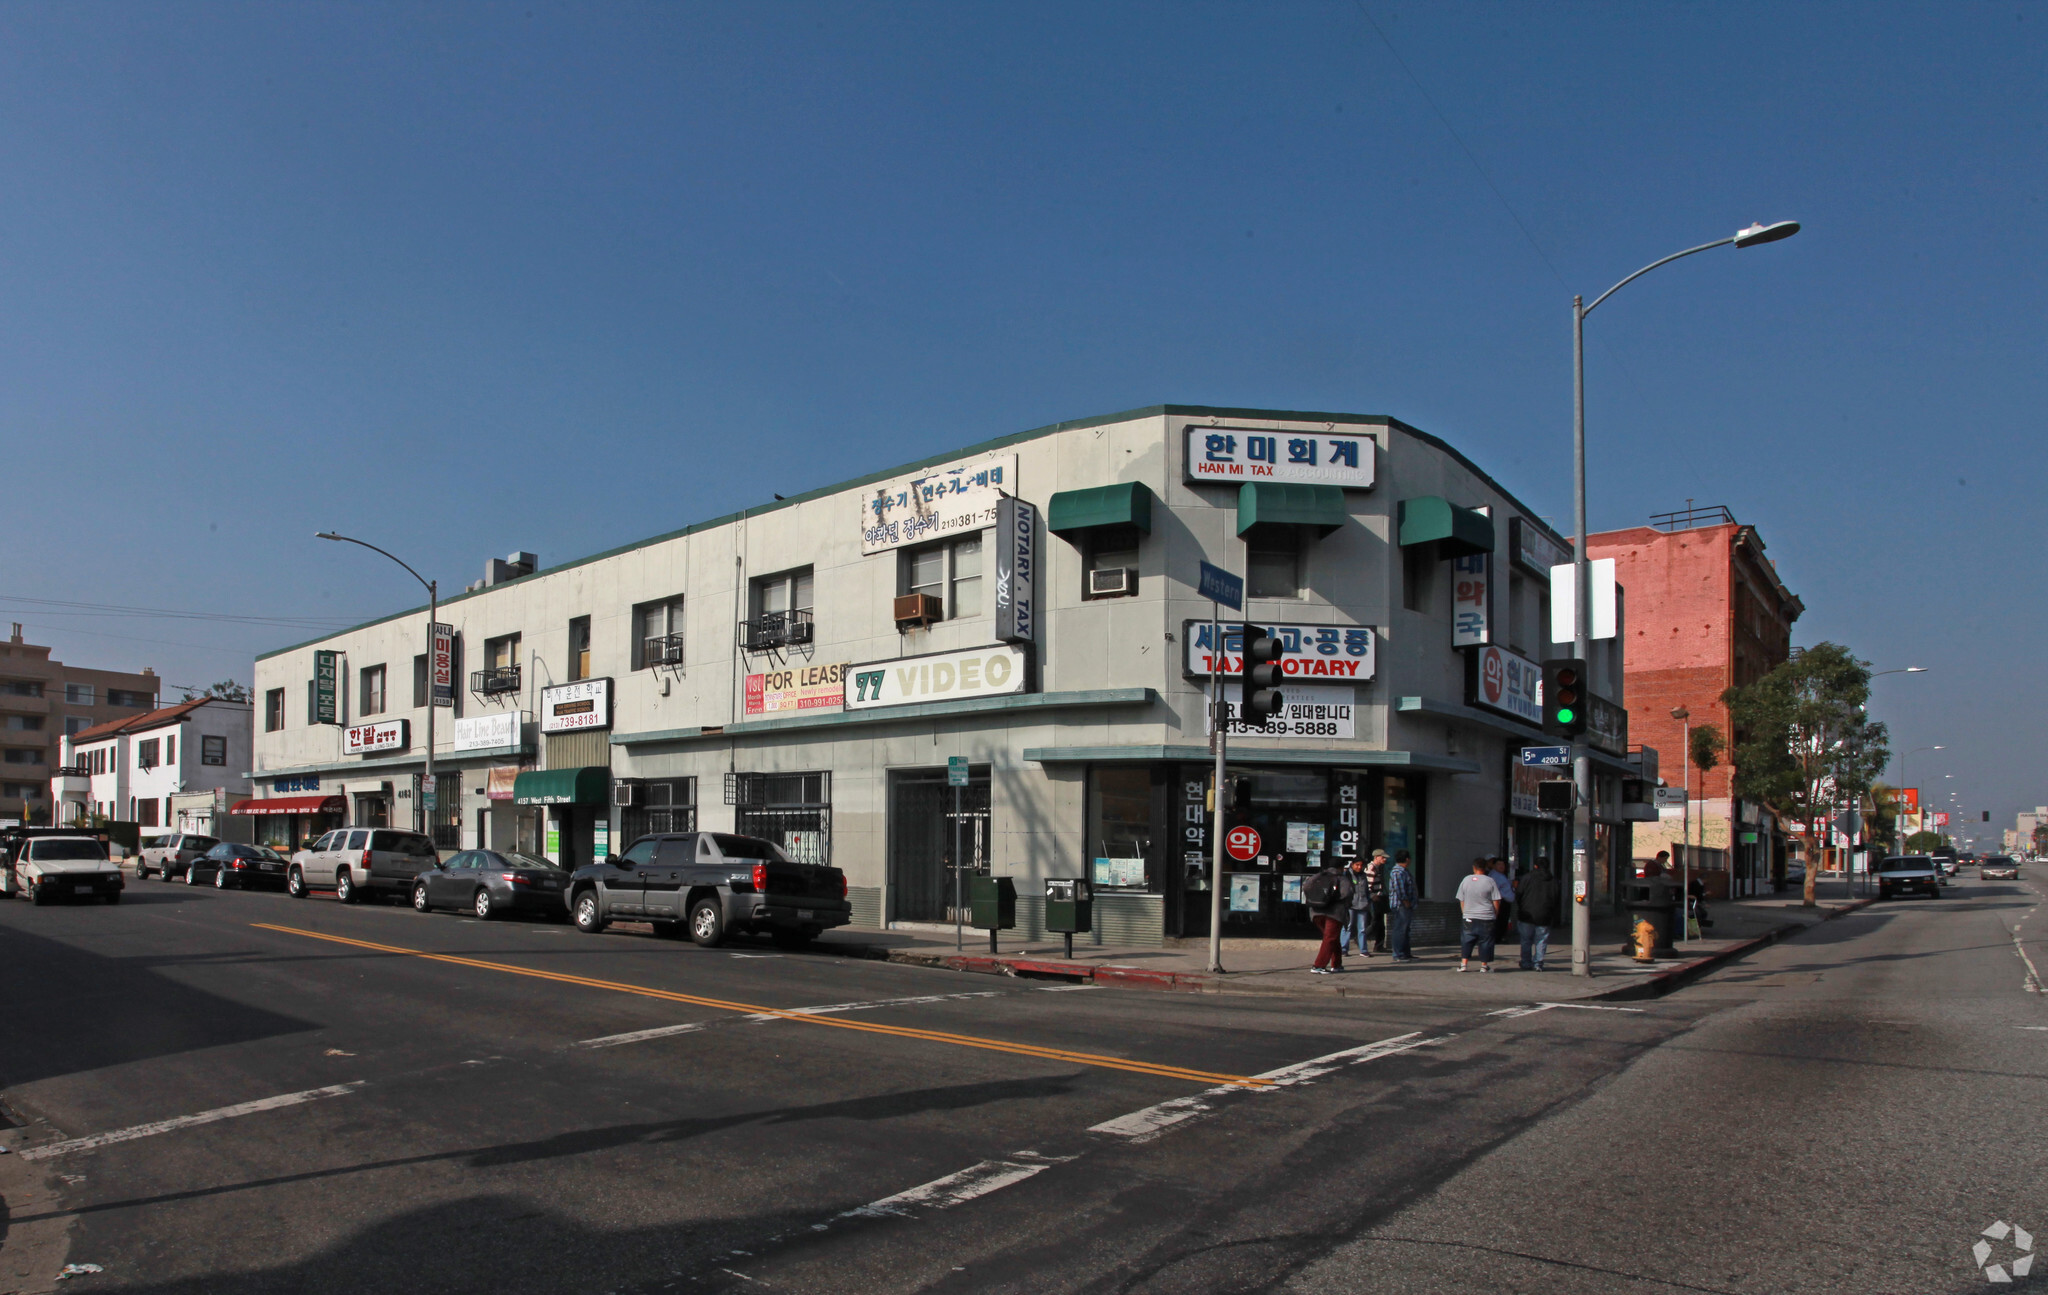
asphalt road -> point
(399, 1102)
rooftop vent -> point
(498, 570)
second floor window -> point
(370, 690)
(949, 571)
(273, 710)
(785, 591)
(213, 750)
(78, 694)
(502, 653)
(146, 754)
(579, 648)
(658, 633)
(1272, 563)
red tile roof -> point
(153, 719)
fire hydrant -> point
(1646, 940)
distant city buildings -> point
(41, 702)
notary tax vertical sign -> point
(1016, 571)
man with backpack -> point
(1328, 896)
(1357, 936)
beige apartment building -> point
(42, 701)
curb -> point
(1201, 982)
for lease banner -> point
(783, 692)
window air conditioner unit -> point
(797, 631)
(1112, 581)
(917, 609)
(622, 793)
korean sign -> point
(950, 500)
(487, 732)
(325, 672)
(1606, 725)
(1332, 652)
(567, 707)
(387, 735)
(943, 676)
(1016, 570)
(785, 692)
(1507, 682)
(441, 661)
(1307, 710)
(1471, 600)
(1532, 550)
(1234, 455)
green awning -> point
(590, 785)
(1126, 504)
(1432, 519)
(1270, 503)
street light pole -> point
(1684, 717)
(426, 823)
(1582, 762)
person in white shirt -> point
(1479, 905)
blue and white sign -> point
(1543, 757)
(1218, 585)
(309, 782)
(1327, 653)
(952, 499)
(1235, 455)
(1509, 683)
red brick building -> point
(1706, 612)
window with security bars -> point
(665, 806)
(794, 810)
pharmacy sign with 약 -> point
(1234, 455)
(998, 670)
(952, 499)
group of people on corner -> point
(1369, 906)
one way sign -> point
(1542, 757)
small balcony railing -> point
(777, 630)
(498, 679)
(662, 649)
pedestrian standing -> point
(1328, 896)
(1379, 879)
(1479, 908)
(1358, 918)
(1498, 870)
(1535, 914)
(1400, 908)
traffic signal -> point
(1564, 696)
(1556, 795)
(1258, 697)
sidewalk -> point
(1281, 967)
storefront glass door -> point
(924, 827)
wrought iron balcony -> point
(662, 649)
(498, 679)
(776, 630)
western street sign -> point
(1220, 586)
(1546, 757)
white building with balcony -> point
(130, 770)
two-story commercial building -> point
(806, 669)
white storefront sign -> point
(1234, 455)
(1306, 710)
(567, 707)
(954, 499)
(387, 735)
(1509, 683)
(943, 676)
(1307, 652)
(487, 732)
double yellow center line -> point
(831, 1022)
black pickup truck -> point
(709, 885)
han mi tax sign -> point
(1234, 455)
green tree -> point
(1707, 746)
(1804, 746)
(225, 690)
(1925, 842)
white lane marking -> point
(187, 1121)
(1064, 989)
(830, 1009)
(2030, 1027)
(636, 1036)
(2032, 984)
(955, 1189)
(1533, 1008)
(1145, 1125)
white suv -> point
(354, 861)
(171, 856)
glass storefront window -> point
(1120, 828)
(1400, 818)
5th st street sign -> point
(1546, 757)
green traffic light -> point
(1564, 715)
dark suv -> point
(710, 884)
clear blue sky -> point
(465, 279)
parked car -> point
(358, 861)
(709, 885)
(44, 869)
(1998, 867)
(1904, 874)
(230, 866)
(170, 856)
(490, 883)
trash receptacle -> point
(1654, 900)
(1069, 908)
(992, 906)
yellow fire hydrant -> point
(1646, 940)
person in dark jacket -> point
(1329, 906)
(1535, 913)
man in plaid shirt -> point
(1401, 897)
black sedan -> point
(493, 882)
(230, 867)
(1905, 874)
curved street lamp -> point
(427, 784)
(1582, 764)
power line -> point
(116, 609)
